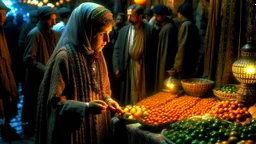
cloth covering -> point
(44, 11)
(8, 88)
(69, 82)
(4, 7)
(161, 9)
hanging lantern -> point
(140, 2)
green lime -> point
(195, 141)
(213, 140)
(234, 133)
(179, 141)
(188, 139)
(202, 142)
(200, 137)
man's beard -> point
(132, 22)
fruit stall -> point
(200, 114)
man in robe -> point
(167, 44)
(39, 43)
(8, 89)
(64, 14)
(134, 57)
(186, 59)
(21, 70)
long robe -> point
(8, 89)
(62, 116)
(186, 59)
(39, 47)
(121, 61)
(166, 51)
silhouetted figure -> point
(33, 20)
(8, 89)
(40, 43)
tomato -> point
(137, 114)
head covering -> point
(186, 9)
(84, 22)
(64, 12)
(44, 11)
(149, 12)
(161, 9)
(3, 6)
(33, 13)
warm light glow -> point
(61, 1)
(51, 5)
(57, 4)
(250, 70)
(171, 86)
(67, 0)
(45, 1)
(140, 2)
(40, 4)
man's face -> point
(119, 21)
(2, 16)
(51, 21)
(133, 18)
(159, 18)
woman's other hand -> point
(97, 107)
(114, 106)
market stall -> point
(193, 117)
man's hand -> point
(97, 107)
(114, 106)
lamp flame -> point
(250, 70)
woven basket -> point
(197, 87)
(225, 96)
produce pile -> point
(226, 92)
(232, 110)
(162, 109)
(210, 131)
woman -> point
(77, 74)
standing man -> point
(186, 59)
(167, 44)
(64, 14)
(20, 69)
(8, 89)
(134, 57)
(39, 44)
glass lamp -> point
(172, 84)
(244, 70)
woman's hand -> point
(97, 107)
(114, 106)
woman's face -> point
(101, 38)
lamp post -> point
(244, 70)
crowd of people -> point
(72, 87)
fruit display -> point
(209, 131)
(133, 112)
(176, 109)
(156, 100)
(233, 110)
(226, 92)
